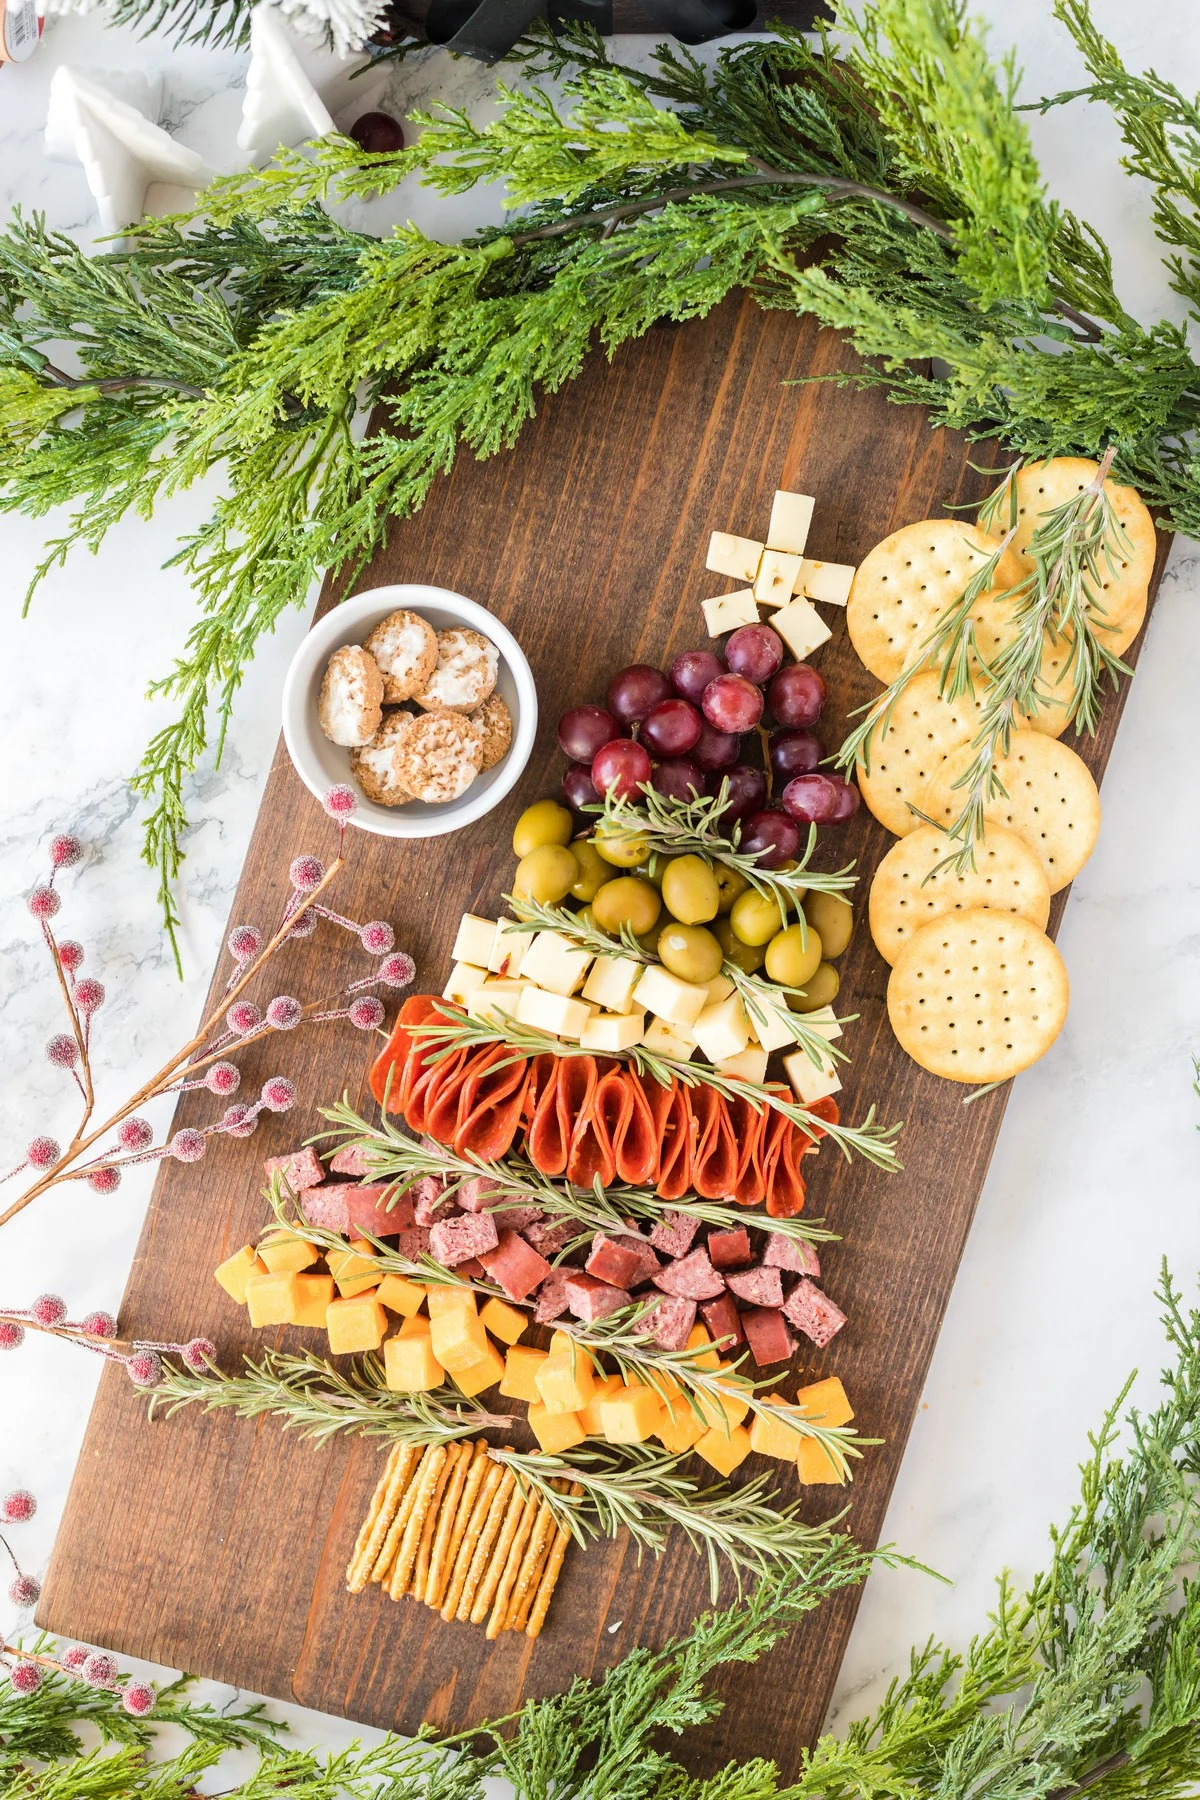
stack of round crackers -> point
(977, 990)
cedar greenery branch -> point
(250, 337)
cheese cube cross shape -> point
(727, 612)
(801, 627)
(731, 555)
(791, 519)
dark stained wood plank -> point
(220, 1546)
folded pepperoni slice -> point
(785, 1145)
(636, 1135)
(435, 1099)
(748, 1124)
(678, 1144)
(545, 1145)
(428, 1064)
(542, 1069)
(395, 1053)
(591, 1154)
(574, 1095)
(715, 1158)
(826, 1109)
(489, 1104)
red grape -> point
(812, 799)
(635, 690)
(716, 749)
(847, 801)
(770, 837)
(584, 730)
(794, 753)
(678, 779)
(754, 651)
(377, 133)
(732, 703)
(578, 787)
(620, 768)
(746, 790)
(796, 695)
(691, 673)
(671, 728)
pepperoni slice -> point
(541, 1070)
(678, 1143)
(636, 1136)
(436, 1097)
(826, 1109)
(427, 1066)
(715, 1158)
(574, 1095)
(781, 1167)
(591, 1153)
(490, 1101)
(748, 1124)
(545, 1143)
(395, 1053)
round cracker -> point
(921, 732)
(464, 674)
(915, 884)
(439, 756)
(374, 765)
(1048, 798)
(495, 721)
(904, 585)
(405, 647)
(977, 996)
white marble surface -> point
(1095, 1174)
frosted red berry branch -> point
(141, 1358)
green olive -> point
(586, 919)
(793, 956)
(593, 870)
(756, 917)
(745, 956)
(690, 952)
(833, 917)
(626, 849)
(626, 901)
(653, 872)
(545, 822)
(820, 989)
(730, 883)
(648, 940)
(690, 891)
(546, 874)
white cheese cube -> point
(827, 582)
(555, 963)
(509, 946)
(769, 1022)
(750, 1065)
(801, 627)
(810, 1083)
(726, 612)
(777, 575)
(667, 997)
(669, 1040)
(721, 1030)
(611, 982)
(718, 989)
(736, 556)
(474, 941)
(608, 1032)
(824, 1021)
(495, 1000)
(555, 1013)
(791, 516)
(464, 979)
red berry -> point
(100, 1324)
(198, 1353)
(671, 728)
(223, 1078)
(65, 851)
(187, 1146)
(243, 1017)
(244, 943)
(307, 873)
(139, 1699)
(770, 837)
(731, 703)
(365, 1013)
(377, 937)
(49, 1309)
(620, 768)
(144, 1369)
(846, 805)
(811, 799)
(284, 1013)
(239, 1121)
(377, 133)
(44, 903)
(579, 790)
(74, 1657)
(25, 1591)
(99, 1669)
(796, 695)
(678, 779)
(279, 1094)
(341, 802)
(89, 994)
(584, 730)
(691, 673)
(754, 651)
(635, 690)
(42, 1153)
(12, 1335)
(70, 955)
(62, 1050)
(104, 1181)
(18, 1507)
(26, 1677)
(716, 749)
(305, 925)
(744, 790)
(396, 971)
(135, 1134)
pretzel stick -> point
(453, 1521)
(406, 1556)
(550, 1575)
(380, 1514)
(486, 1591)
(396, 1530)
(512, 1563)
(483, 1549)
(454, 1453)
(532, 1564)
(485, 1494)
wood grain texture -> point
(220, 1546)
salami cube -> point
(301, 1169)
(757, 1287)
(326, 1206)
(471, 1270)
(352, 1159)
(454, 1241)
(692, 1277)
(515, 1265)
(414, 1243)
(648, 1263)
(551, 1302)
(724, 1322)
(670, 1320)
(430, 1200)
(549, 1236)
(515, 1218)
(590, 1299)
(813, 1313)
(478, 1194)
(673, 1233)
(729, 1249)
(768, 1335)
(379, 1208)
(615, 1260)
(792, 1254)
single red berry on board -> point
(74, 1657)
(744, 789)
(49, 1309)
(70, 955)
(135, 1134)
(811, 799)
(104, 1181)
(341, 802)
(770, 837)
(690, 673)
(377, 937)
(796, 695)
(243, 1017)
(633, 691)
(26, 1677)
(18, 1507)
(144, 1369)
(44, 903)
(377, 133)
(284, 1013)
(65, 850)
(25, 1591)
(239, 1121)
(585, 729)
(620, 768)
(671, 728)
(187, 1146)
(99, 1669)
(42, 1153)
(678, 779)
(307, 873)
(754, 651)
(305, 924)
(365, 1013)
(579, 790)
(89, 994)
(279, 1094)
(244, 943)
(62, 1050)
(12, 1335)
(139, 1699)
(396, 970)
(731, 703)
(100, 1324)
(198, 1353)
(223, 1078)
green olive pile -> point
(691, 915)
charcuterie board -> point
(220, 1546)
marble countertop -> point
(1094, 1177)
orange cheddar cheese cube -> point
(354, 1324)
(271, 1299)
(400, 1295)
(520, 1373)
(723, 1411)
(816, 1467)
(590, 1414)
(562, 1343)
(458, 1338)
(724, 1451)
(565, 1382)
(825, 1402)
(771, 1434)
(236, 1270)
(483, 1374)
(504, 1321)
(447, 1297)
(556, 1431)
(409, 1365)
(354, 1269)
(631, 1416)
(416, 1326)
(287, 1250)
(678, 1427)
(697, 1338)
(313, 1294)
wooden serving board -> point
(219, 1546)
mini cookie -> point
(350, 704)
(1048, 798)
(922, 730)
(495, 721)
(465, 674)
(904, 585)
(405, 647)
(440, 756)
(907, 894)
(978, 996)
(374, 766)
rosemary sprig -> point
(307, 1394)
(535, 915)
